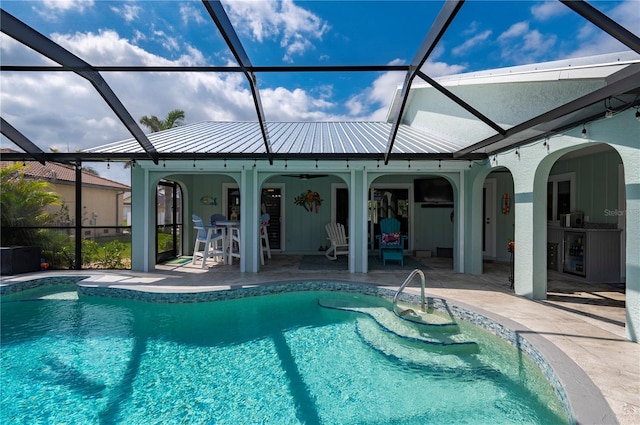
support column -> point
(474, 181)
(143, 250)
(631, 161)
(249, 218)
(358, 197)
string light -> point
(108, 165)
(584, 131)
(409, 163)
(439, 163)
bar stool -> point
(264, 237)
(234, 243)
(211, 237)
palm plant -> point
(174, 119)
(155, 124)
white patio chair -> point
(339, 241)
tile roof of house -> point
(59, 172)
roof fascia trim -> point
(22, 141)
(222, 21)
(618, 82)
(443, 20)
(31, 38)
(605, 23)
(75, 157)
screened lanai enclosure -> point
(472, 130)
(32, 51)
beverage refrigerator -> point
(575, 252)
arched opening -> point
(300, 205)
(498, 221)
(424, 206)
(587, 230)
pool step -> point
(411, 351)
(429, 336)
(434, 322)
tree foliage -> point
(174, 119)
(23, 203)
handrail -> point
(404, 285)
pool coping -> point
(581, 399)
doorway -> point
(489, 218)
(270, 203)
(388, 202)
(168, 220)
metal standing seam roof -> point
(287, 138)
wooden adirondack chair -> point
(391, 241)
(339, 241)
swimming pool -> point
(267, 359)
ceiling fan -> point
(305, 176)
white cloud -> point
(129, 12)
(520, 44)
(595, 42)
(438, 69)
(548, 9)
(168, 42)
(471, 43)
(67, 5)
(294, 26)
(61, 109)
(515, 30)
(189, 13)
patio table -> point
(228, 225)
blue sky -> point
(62, 111)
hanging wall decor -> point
(209, 200)
(506, 204)
(311, 201)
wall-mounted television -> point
(434, 191)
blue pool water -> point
(279, 359)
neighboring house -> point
(103, 200)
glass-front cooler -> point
(574, 253)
